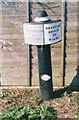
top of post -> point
(42, 16)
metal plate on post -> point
(33, 34)
(43, 33)
(52, 32)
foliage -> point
(29, 113)
(77, 117)
(76, 98)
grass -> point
(29, 113)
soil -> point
(64, 105)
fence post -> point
(63, 42)
(29, 63)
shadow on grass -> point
(74, 86)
